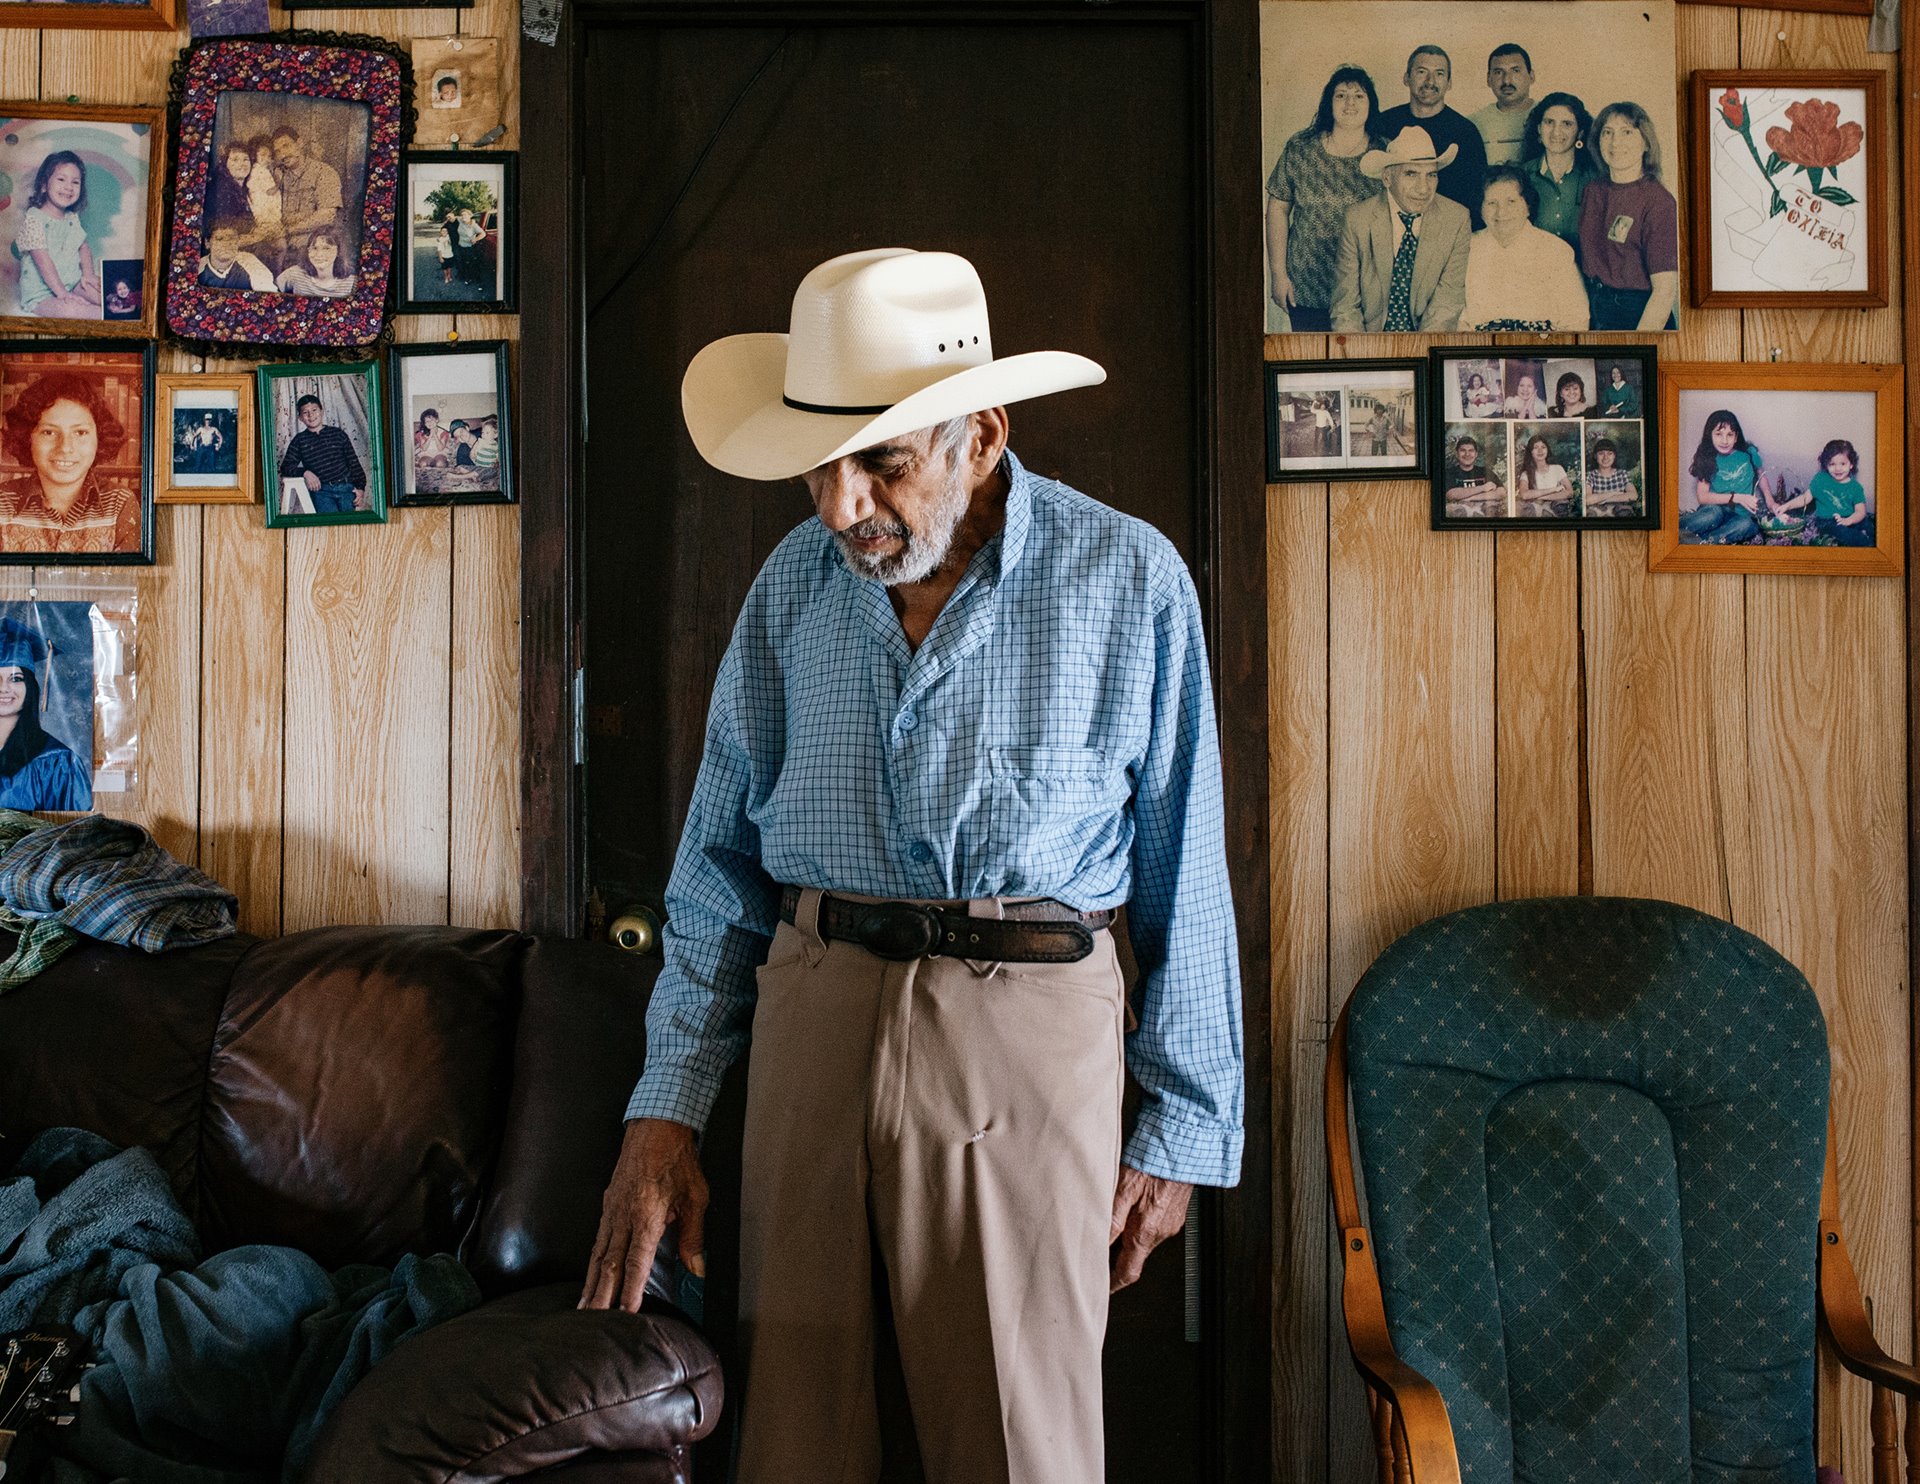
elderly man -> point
(965, 715)
(1429, 78)
(1503, 122)
(1402, 263)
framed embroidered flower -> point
(1783, 469)
(1791, 172)
(284, 191)
(76, 467)
(80, 209)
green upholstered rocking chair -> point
(1602, 1199)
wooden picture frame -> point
(193, 468)
(106, 394)
(1797, 414)
(129, 15)
(1310, 401)
(351, 400)
(1593, 405)
(461, 385)
(1823, 7)
(480, 279)
(335, 109)
(34, 134)
(1774, 226)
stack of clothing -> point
(96, 877)
(220, 1370)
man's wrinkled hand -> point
(657, 1181)
(1146, 1211)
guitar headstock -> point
(39, 1382)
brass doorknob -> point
(636, 929)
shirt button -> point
(922, 851)
(908, 721)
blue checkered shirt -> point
(1052, 737)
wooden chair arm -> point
(1845, 1313)
(1842, 1307)
(1420, 1412)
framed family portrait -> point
(1345, 420)
(75, 456)
(1551, 437)
(1783, 468)
(1534, 148)
(321, 444)
(1791, 169)
(285, 189)
(81, 216)
(452, 443)
(205, 422)
(462, 230)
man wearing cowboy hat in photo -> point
(1402, 264)
(964, 716)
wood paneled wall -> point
(1461, 717)
(329, 716)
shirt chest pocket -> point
(1050, 809)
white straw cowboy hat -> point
(882, 343)
(1413, 145)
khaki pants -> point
(966, 1119)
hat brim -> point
(1373, 164)
(731, 398)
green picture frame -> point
(350, 400)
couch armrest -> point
(523, 1383)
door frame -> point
(1231, 572)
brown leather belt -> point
(1043, 932)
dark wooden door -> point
(722, 162)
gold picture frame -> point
(1785, 433)
(191, 468)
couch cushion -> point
(578, 1049)
(116, 1041)
(524, 1383)
(357, 1089)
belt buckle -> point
(898, 931)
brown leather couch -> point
(360, 1093)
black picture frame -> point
(1353, 380)
(90, 356)
(1526, 406)
(403, 417)
(411, 243)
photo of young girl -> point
(1729, 485)
(1543, 486)
(79, 199)
(58, 275)
(1840, 512)
(1614, 477)
(1782, 468)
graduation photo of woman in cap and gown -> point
(37, 770)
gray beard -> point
(922, 553)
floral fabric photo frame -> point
(1791, 171)
(284, 191)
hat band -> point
(835, 411)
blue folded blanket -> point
(220, 1370)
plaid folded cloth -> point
(99, 878)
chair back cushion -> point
(1592, 1134)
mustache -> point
(868, 530)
